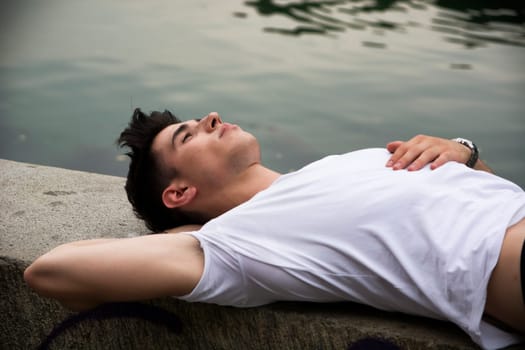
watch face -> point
(469, 143)
(466, 142)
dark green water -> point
(308, 78)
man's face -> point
(206, 152)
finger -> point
(424, 158)
(408, 156)
(392, 146)
(401, 150)
(440, 160)
(406, 152)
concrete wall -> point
(41, 207)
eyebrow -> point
(177, 132)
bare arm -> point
(421, 150)
(84, 274)
(184, 228)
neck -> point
(240, 189)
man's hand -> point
(421, 150)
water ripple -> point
(471, 24)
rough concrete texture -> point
(42, 207)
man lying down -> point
(421, 227)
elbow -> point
(34, 276)
(43, 276)
(29, 276)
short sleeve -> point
(222, 279)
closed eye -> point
(186, 137)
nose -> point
(211, 122)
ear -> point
(178, 194)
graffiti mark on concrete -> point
(373, 344)
(145, 312)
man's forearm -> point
(480, 165)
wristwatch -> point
(474, 153)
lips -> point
(225, 128)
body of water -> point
(308, 78)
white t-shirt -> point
(347, 228)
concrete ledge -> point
(42, 207)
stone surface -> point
(42, 207)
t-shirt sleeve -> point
(222, 279)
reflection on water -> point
(476, 23)
(469, 23)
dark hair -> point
(147, 177)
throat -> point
(237, 191)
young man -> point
(445, 241)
